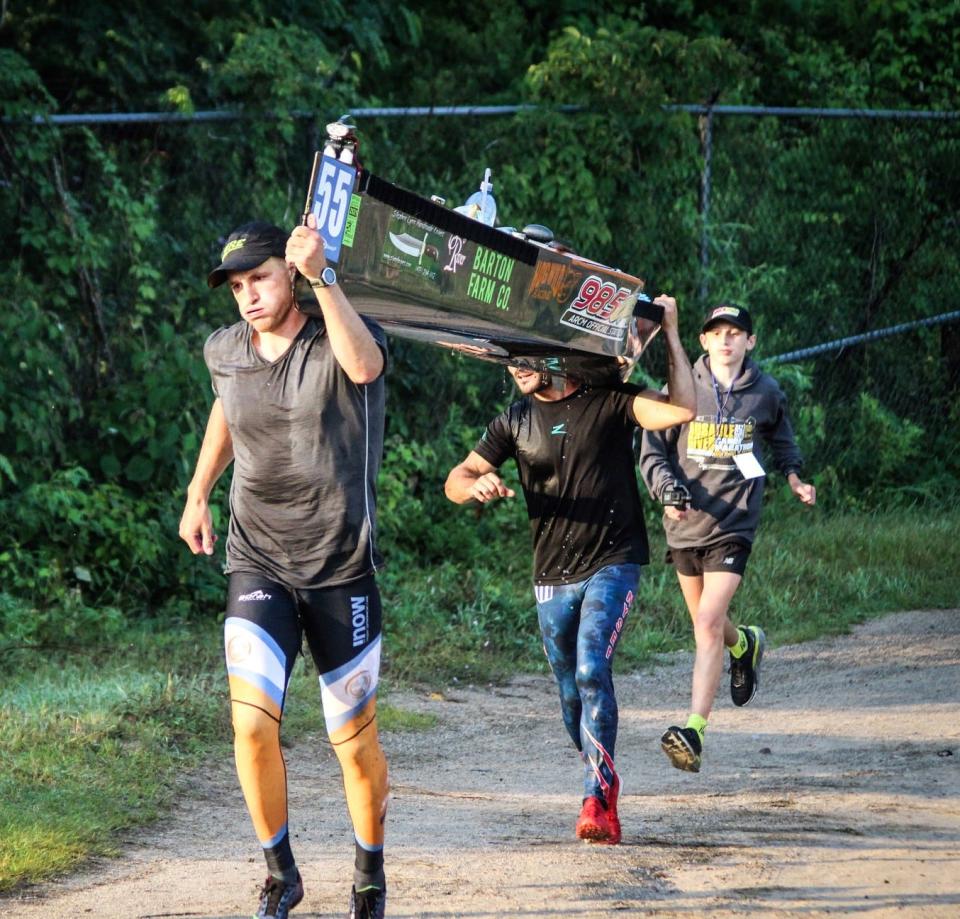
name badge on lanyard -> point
(747, 463)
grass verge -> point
(812, 575)
(93, 743)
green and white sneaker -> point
(745, 670)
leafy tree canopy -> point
(108, 231)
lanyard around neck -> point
(722, 403)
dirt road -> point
(837, 791)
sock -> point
(740, 648)
(368, 867)
(280, 861)
(698, 723)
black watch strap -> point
(328, 277)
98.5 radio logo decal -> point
(331, 203)
(594, 309)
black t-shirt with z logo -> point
(576, 463)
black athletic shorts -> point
(724, 556)
(265, 623)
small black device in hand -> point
(676, 495)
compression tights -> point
(581, 624)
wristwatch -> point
(328, 277)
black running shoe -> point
(368, 903)
(745, 670)
(683, 747)
(277, 898)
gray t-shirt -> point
(307, 445)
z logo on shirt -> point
(560, 428)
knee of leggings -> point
(358, 736)
(252, 726)
(570, 696)
(592, 676)
(359, 753)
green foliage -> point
(22, 91)
(108, 233)
(409, 470)
(416, 522)
(447, 623)
(889, 445)
(61, 568)
(266, 64)
(616, 179)
(78, 555)
(881, 456)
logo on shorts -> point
(238, 649)
(358, 685)
(359, 621)
(543, 593)
(729, 560)
(256, 595)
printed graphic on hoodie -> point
(707, 440)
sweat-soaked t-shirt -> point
(307, 445)
(576, 464)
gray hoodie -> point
(724, 504)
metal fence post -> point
(706, 145)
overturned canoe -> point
(426, 272)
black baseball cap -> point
(248, 246)
(729, 312)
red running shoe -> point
(613, 794)
(597, 823)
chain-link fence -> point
(842, 230)
(830, 225)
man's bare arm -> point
(475, 480)
(655, 411)
(354, 347)
(216, 453)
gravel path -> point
(836, 792)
